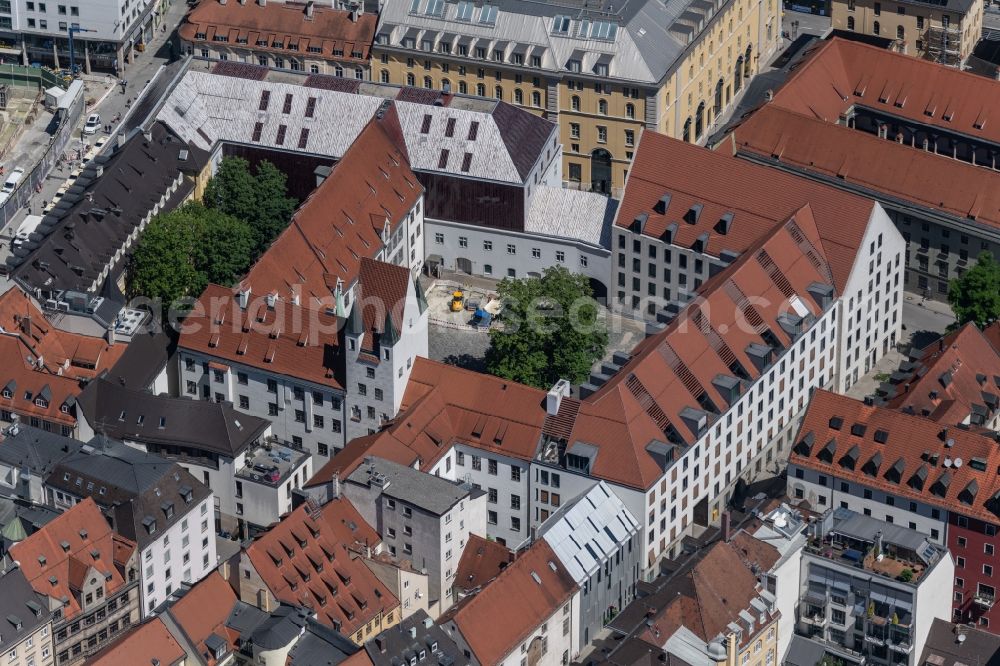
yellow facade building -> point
(944, 32)
(603, 70)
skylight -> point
(464, 11)
(560, 25)
(488, 15)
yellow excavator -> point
(457, 301)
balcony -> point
(984, 600)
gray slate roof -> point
(18, 601)
(942, 647)
(425, 491)
(131, 486)
(206, 108)
(565, 213)
(35, 449)
(649, 38)
(145, 356)
(134, 414)
(93, 220)
(417, 632)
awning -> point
(434, 259)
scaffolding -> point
(943, 44)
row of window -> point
(536, 252)
(277, 62)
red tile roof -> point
(951, 375)
(310, 563)
(284, 339)
(203, 611)
(348, 459)
(863, 160)
(382, 295)
(86, 531)
(843, 73)
(799, 126)
(329, 29)
(713, 592)
(909, 463)
(481, 561)
(525, 595)
(756, 197)
(74, 355)
(27, 385)
(149, 643)
(342, 221)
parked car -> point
(93, 123)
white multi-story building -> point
(423, 520)
(597, 540)
(154, 502)
(854, 595)
(110, 31)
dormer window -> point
(7, 394)
(150, 524)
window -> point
(536, 253)
(602, 134)
(511, 248)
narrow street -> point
(113, 101)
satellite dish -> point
(957, 462)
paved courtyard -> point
(452, 340)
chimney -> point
(222, 2)
(243, 297)
(309, 9)
(413, 631)
(262, 3)
(99, 171)
(147, 136)
(555, 395)
(121, 139)
(111, 334)
(726, 526)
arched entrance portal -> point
(599, 291)
(463, 265)
(600, 171)
(718, 99)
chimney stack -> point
(726, 526)
(309, 9)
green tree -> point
(226, 247)
(232, 189)
(258, 198)
(975, 296)
(274, 207)
(183, 250)
(163, 264)
(552, 329)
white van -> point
(29, 224)
(13, 179)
